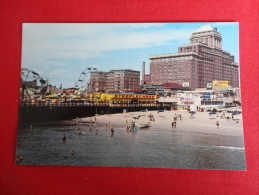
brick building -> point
(98, 81)
(199, 62)
(115, 80)
(121, 80)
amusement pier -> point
(200, 77)
(40, 101)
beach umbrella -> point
(212, 113)
(192, 112)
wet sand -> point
(200, 122)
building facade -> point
(154, 89)
(199, 62)
(114, 80)
(98, 81)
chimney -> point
(143, 71)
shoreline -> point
(201, 122)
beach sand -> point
(201, 122)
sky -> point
(60, 52)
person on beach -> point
(112, 131)
(64, 137)
(73, 152)
(96, 132)
(217, 124)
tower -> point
(208, 35)
(143, 71)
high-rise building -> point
(115, 80)
(199, 62)
(98, 81)
(121, 80)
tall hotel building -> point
(199, 62)
(115, 80)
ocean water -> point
(42, 144)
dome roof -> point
(204, 28)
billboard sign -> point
(219, 83)
(206, 95)
(186, 84)
(209, 85)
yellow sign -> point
(219, 83)
(132, 96)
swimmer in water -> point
(73, 152)
(64, 137)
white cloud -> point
(44, 42)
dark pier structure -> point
(52, 112)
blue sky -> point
(61, 51)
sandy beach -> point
(201, 122)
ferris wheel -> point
(84, 80)
(29, 85)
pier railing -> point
(61, 104)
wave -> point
(231, 147)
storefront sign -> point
(220, 83)
(186, 84)
(133, 96)
(206, 95)
(209, 85)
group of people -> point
(174, 124)
(176, 116)
(151, 117)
